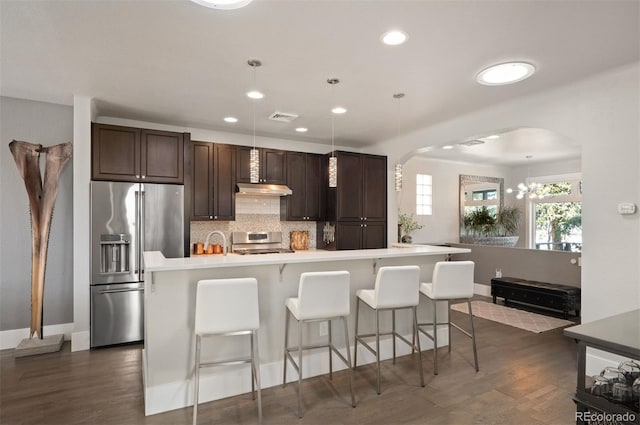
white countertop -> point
(154, 260)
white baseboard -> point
(218, 383)
(80, 341)
(11, 338)
(484, 290)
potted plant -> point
(407, 224)
(483, 227)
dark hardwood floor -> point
(524, 378)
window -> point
(556, 219)
(424, 194)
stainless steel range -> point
(257, 243)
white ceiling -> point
(179, 63)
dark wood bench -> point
(549, 295)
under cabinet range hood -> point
(257, 189)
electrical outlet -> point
(324, 328)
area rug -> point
(531, 322)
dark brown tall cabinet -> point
(137, 155)
(272, 166)
(213, 181)
(359, 202)
(306, 178)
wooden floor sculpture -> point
(42, 198)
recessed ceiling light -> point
(505, 73)
(338, 110)
(223, 4)
(302, 129)
(255, 94)
(492, 137)
(394, 37)
(230, 119)
(447, 147)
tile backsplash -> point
(253, 214)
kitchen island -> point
(170, 291)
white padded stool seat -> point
(451, 280)
(227, 307)
(322, 296)
(396, 287)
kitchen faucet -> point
(224, 241)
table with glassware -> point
(614, 394)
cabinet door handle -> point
(144, 177)
(215, 217)
(210, 217)
(137, 176)
(365, 225)
(365, 219)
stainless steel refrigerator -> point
(126, 220)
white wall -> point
(443, 225)
(601, 114)
(46, 124)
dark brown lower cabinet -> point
(356, 235)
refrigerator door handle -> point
(136, 246)
(142, 230)
(115, 291)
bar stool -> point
(396, 288)
(322, 296)
(451, 280)
(228, 307)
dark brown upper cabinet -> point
(359, 202)
(362, 187)
(272, 166)
(137, 155)
(305, 173)
(213, 180)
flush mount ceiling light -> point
(302, 129)
(394, 37)
(338, 109)
(447, 147)
(255, 94)
(223, 4)
(492, 137)
(505, 73)
(231, 119)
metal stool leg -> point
(415, 334)
(393, 334)
(330, 346)
(435, 338)
(300, 323)
(255, 364)
(196, 380)
(378, 349)
(355, 349)
(286, 346)
(449, 323)
(473, 336)
(346, 340)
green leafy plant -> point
(482, 222)
(407, 223)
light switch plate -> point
(626, 208)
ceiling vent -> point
(282, 116)
(472, 142)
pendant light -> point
(398, 171)
(333, 161)
(254, 154)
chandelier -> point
(531, 190)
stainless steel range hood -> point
(260, 189)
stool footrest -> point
(226, 362)
(395, 334)
(461, 330)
